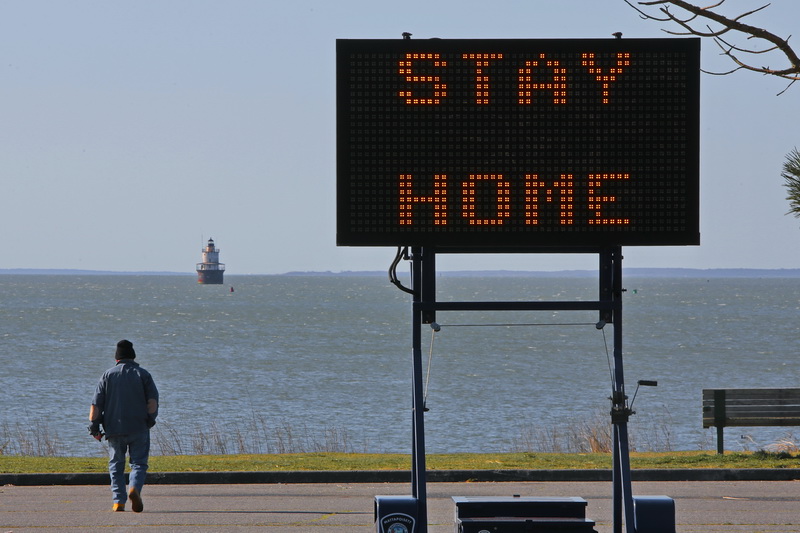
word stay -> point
(556, 74)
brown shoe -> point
(118, 507)
(136, 501)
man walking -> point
(126, 404)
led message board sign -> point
(498, 143)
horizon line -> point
(651, 271)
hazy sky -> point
(132, 131)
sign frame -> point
(414, 105)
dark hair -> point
(125, 350)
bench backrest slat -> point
(751, 407)
(755, 393)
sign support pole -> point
(421, 285)
(611, 288)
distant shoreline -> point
(628, 272)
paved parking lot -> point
(701, 506)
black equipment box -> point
(521, 514)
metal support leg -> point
(720, 417)
(418, 480)
(623, 495)
(611, 276)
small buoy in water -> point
(231, 288)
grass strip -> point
(13, 464)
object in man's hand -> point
(94, 430)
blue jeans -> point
(138, 446)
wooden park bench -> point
(749, 407)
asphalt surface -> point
(732, 505)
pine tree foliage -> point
(791, 180)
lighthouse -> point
(210, 270)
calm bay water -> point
(324, 354)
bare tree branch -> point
(738, 54)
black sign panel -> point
(493, 143)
